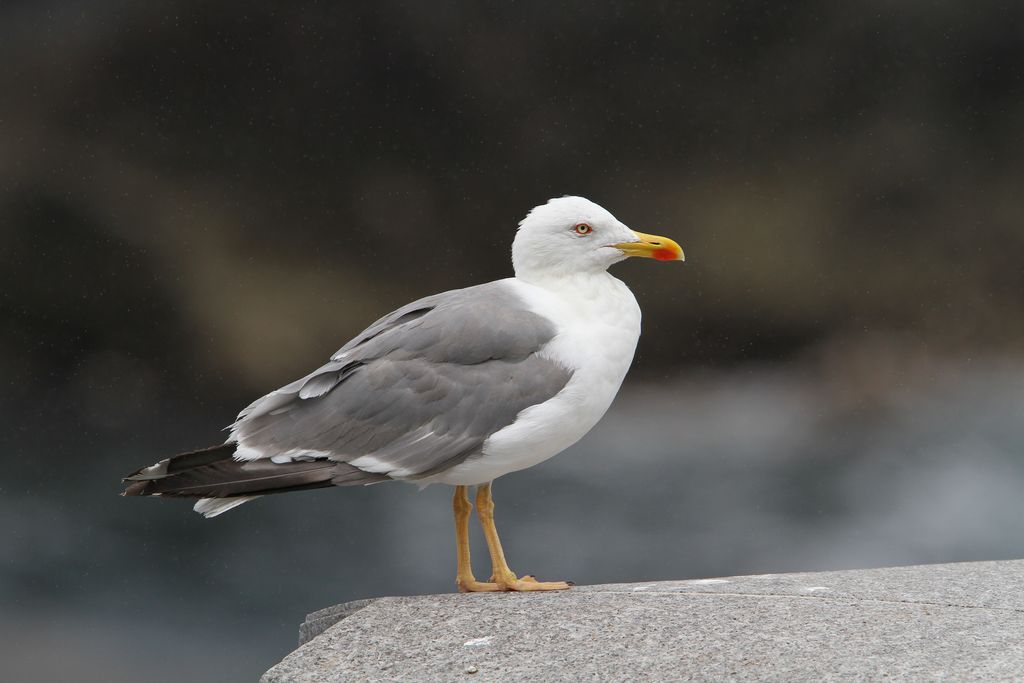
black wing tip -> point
(142, 477)
(134, 488)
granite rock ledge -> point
(951, 621)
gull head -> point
(570, 235)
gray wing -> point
(418, 391)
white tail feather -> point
(211, 507)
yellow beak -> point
(652, 246)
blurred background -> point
(201, 201)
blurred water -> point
(751, 471)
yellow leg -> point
(464, 579)
(502, 576)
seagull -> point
(457, 388)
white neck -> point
(588, 306)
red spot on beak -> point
(665, 255)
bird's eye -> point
(583, 229)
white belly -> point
(598, 323)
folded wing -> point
(417, 392)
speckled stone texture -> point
(938, 622)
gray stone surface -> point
(938, 622)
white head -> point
(571, 235)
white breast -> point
(598, 325)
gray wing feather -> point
(420, 390)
